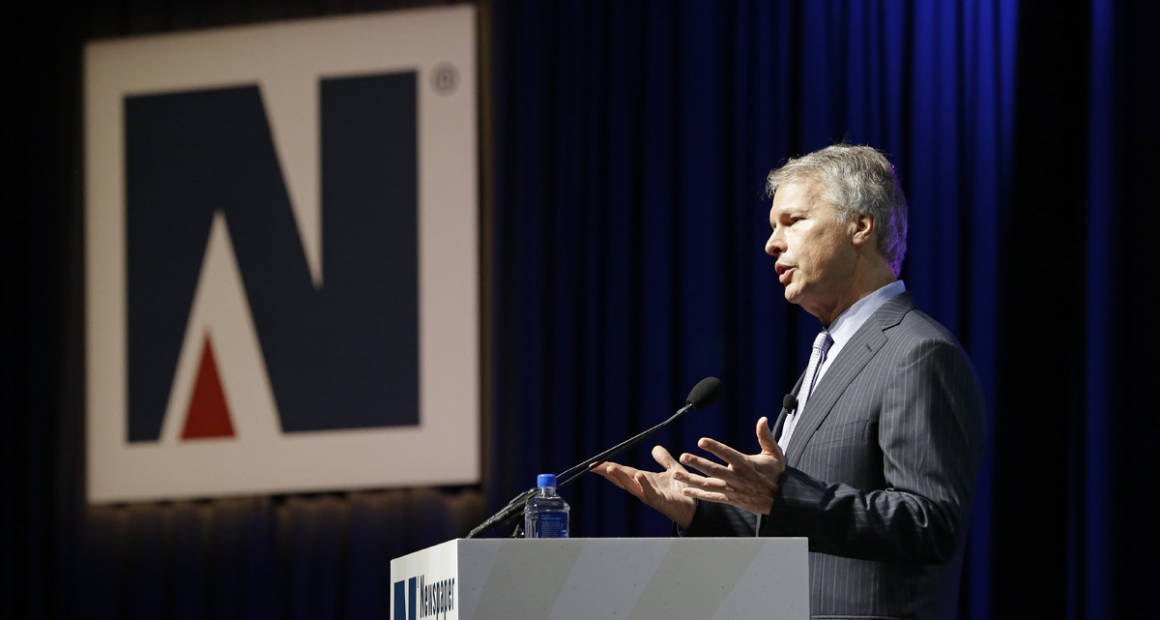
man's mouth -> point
(783, 272)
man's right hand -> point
(660, 490)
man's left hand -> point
(746, 481)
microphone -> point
(702, 395)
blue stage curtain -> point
(631, 144)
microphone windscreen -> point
(789, 403)
(705, 393)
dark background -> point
(624, 150)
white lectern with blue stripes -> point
(589, 578)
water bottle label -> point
(552, 525)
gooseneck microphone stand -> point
(702, 395)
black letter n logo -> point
(342, 356)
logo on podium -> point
(416, 598)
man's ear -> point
(862, 228)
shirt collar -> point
(849, 322)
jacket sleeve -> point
(712, 519)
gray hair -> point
(856, 180)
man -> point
(877, 462)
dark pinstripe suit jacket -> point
(880, 472)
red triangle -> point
(208, 415)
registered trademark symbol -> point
(445, 78)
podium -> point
(588, 578)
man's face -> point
(813, 248)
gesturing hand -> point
(660, 490)
(747, 481)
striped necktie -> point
(822, 345)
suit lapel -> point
(850, 361)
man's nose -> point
(774, 246)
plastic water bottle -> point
(546, 514)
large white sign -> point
(281, 243)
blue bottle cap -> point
(546, 480)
